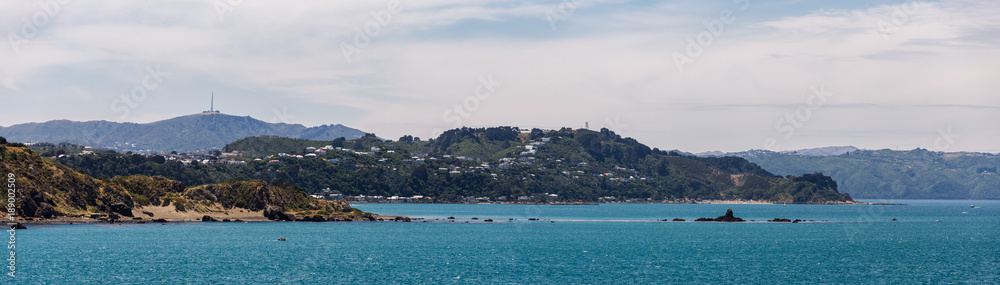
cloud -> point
(604, 61)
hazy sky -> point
(691, 75)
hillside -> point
(494, 163)
(51, 190)
(183, 134)
(889, 174)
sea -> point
(929, 242)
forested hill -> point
(45, 189)
(890, 174)
(494, 163)
(183, 134)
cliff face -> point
(47, 189)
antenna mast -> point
(211, 108)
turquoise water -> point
(608, 243)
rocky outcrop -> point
(729, 218)
(782, 220)
(208, 218)
(51, 190)
(121, 208)
(276, 213)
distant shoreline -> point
(726, 202)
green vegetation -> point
(888, 174)
(503, 162)
(48, 189)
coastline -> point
(633, 202)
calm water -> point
(609, 243)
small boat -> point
(973, 206)
(893, 219)
(281, 239)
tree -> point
(338, 142)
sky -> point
(690, 75)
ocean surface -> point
(602, 244)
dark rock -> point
(486, 220)
(226, 220)
(159, 220)
(780, 220)
(678, 220)
(96, 216)
(18, 226)
(276, 213)
(45, 210)
(208, 218)
(121, 209)
(315, 218)
(729, 218)
(451, 218)
(148, 213)
(136, 218)
(474, 218)
(113, 217)
(796, 221)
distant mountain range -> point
(891, 174)
(820, 151)
(183, 134)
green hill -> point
(889, 174)
(502, 162)
(46, 189)
(185, 133)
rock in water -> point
(729, 218)
(208, 218)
